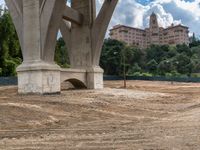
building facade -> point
(143, 38)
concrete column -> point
(85, 40)
(35, 75)
(81, 44)
(81, 35)
(31, 28)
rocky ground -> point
(146, 116)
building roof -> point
(164, 29)
(120, 26)
(171, 27)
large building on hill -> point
(143, 38)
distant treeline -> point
(164, 60)
(10, 51)
(157, 60)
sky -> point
(136, 13)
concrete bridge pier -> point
(37, 23)
(84, 38)
(38, 72)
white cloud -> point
(132, 13)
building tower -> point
(154, 29)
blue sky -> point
(136, 13)
(146, 2)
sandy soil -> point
(145, 116)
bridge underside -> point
(38, 22)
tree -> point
(61, 54)
(10, 51)
(115, 54)
(112, 57)
(172, 52)
(166, 66)
(152, 66)
(195, 42)
(183, 64)
(183, 48)
(134, 69)
(132, 56)
(196, 51)
(157, 52)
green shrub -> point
(152, 66)
(195, 75)
(10, 68)
(175, 73)
(135, 69)
(137, 74)
(184, 76)
(168, 75)
(65, 66)
(145, 74)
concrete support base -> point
(91, 78)
(95, 78)
(44, 78)
(38, 78)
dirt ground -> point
(145, 116)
